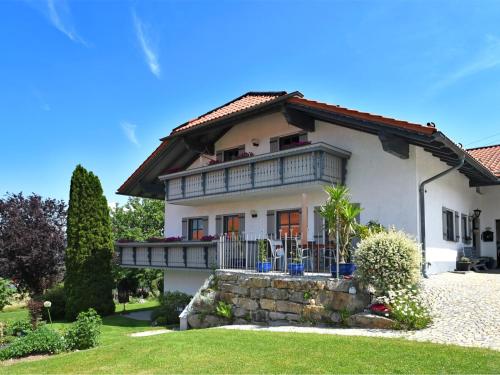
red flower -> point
(379, 308)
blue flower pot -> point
(264, 266)
(295, 269)
(345, 269)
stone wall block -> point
(248, 304)
(290, 307)
(268, 304)
(260, 316)
(273, 315)
(275, 293)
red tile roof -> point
(246, 101)
(489, 156)
(363, 115)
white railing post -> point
(246, 252)
(286, 252)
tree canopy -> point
(32, 241)
(89, 280)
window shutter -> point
(457, 227)
(274, 144)
(303, 137)
(271, 223)
(469, 223)
(318, 226)
(184, 229)
(218, 225)
(242, 223)
(219, 155)
(445, 229)
(205, 225)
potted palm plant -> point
(263, 264)
(341, 219)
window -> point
(230, 153)
(196, 230)
(288, 223)
(450, 225)
(232, 225)
(466, 229)
(287, 141)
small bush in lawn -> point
(57, 297)
(387, 261)
(41, 341)
(85, 331)
(407, 308)
(171, 305)
(19, 327)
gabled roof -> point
(489, 156)
(182, 146)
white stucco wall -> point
(490, 213)
(186, 281)
(451, 191)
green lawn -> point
(224, 351)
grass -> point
(227, 351)
(148, 305)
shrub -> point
(57, 297)
(407, 308)
(41, 341)
(171, 305)
(19, 328)
(387, 261)
(6, 292)
(85, 332)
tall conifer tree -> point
(89, 253)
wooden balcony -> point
(184, 254)
(317, 163)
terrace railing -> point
(182, 254)
(317, 162)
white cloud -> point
(129, 131)
(487, 58)
(149, 50)
(59, 16)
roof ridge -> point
(248, 93)
(481, 147)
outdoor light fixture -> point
(253, 213)
(477, 213)
(255, 142)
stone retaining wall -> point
(277, 299)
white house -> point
(251, 165)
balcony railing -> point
(317, 162)
(185, 254)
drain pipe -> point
(421, 191)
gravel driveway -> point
(466, 309)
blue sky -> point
(98, 83)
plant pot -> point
(463, 266)
(345, 269)
(296, 269)
(264, 266)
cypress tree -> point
(89, 253)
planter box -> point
(264, 266)
(296, 269)
(461, 266)
(345, 269)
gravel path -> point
(465, 309)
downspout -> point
(421, 191)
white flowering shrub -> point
(407, 308)
(387, 260)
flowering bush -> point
(387, 259)
(208, 238)
(407, 308)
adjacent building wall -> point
(490, 213)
